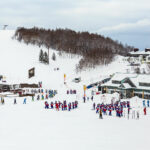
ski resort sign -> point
(31, 72)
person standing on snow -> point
(138, 115)
(144, 111)
(15, 102)
(97, 109)
(128, 112)
(32, 98)
(92, 97)
(100, 114)
(2, 100)
(52, 105)
(143, 103)
(84, 99)
(24, 102)
(147, 103)
(62, 107)
(110, 110)
(94, 106)
(38, 97)
(42, 97)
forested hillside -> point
(94, 49)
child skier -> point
(46, 105)
(110, 112)
(42, 97)
(97, 109)
(51, 105)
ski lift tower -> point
(5, 26)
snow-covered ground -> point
(30, 126)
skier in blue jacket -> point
(147, 103)
(24, 102)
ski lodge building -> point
(128, 85)
(139, 56)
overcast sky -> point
(127, 21)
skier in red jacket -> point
(144, 110)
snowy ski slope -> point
(30, 126)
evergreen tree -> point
(46, 59)
(41, 56)
(54, 57)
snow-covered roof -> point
(143, 79)
(109, 83)
(126, 85)
(140, 52)
(135, 79)
(121, 76)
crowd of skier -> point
(37, 94)
(61, 105)
(119, 108)
(104, 109)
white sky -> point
(127, 21)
